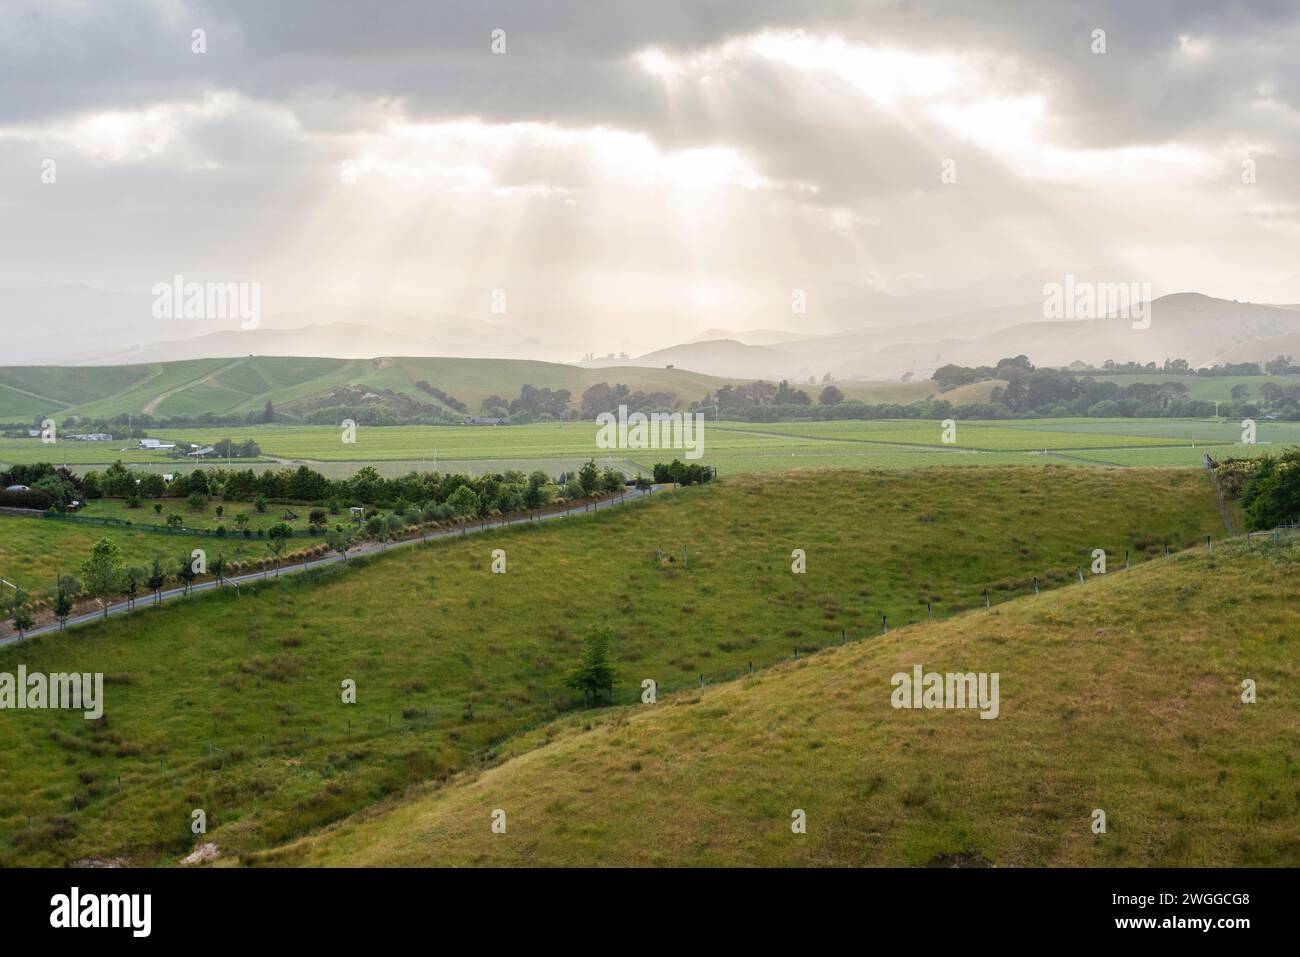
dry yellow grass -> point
(1123, 694)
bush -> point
(1272, 494)
(31, 498)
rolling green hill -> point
(1123, 695)
(242, 385)
(451, 661)
(237, 386)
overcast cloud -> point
(685, 165)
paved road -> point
(122, 608)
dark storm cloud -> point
(566, 62)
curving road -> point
(171, 594)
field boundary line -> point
(955, 448)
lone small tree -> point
(218, 568)
(157, 578)
(394, 525)
(22, 615)
(132, 587)
(588, 477)
(279, 534)
(103, 571)
(463, 503)
(532, 498)
(340, 540)
(186, 573)
(62, 608)
(594, 673)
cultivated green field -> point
(450, 661)
(76, 454)
(35, 551)
(1123, 695)
(731, 446)
(208, 519)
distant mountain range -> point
(82, 325)
(1191, 326)
(894, 336)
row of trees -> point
(505, 491)
(1064, 392)
(533, 405)
(951, 376)
(741, 401)
(1281, 365)
(448, 400)
(105, 574)
(602, 397)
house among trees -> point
(485, 420)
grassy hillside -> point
(1123, 695)
(733, 447)
(241, 385)
(235, 386)
(451, 660)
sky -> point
(588, 171)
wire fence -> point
(514, 716)
(235, 533)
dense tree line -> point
(602, 397)
(50, 487)
(680, 473)
(448, 400)
(1049, 392)
(500, 493)
(533, 405)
